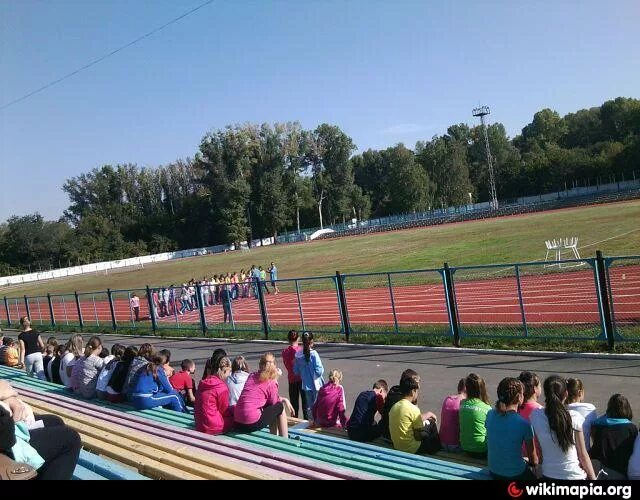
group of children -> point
(218, 289)
(520, 438)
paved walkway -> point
(440, 370)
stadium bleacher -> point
(161, 443)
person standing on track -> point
(135, 306)
(273, 274)
(225, 296)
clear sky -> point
(384, 71)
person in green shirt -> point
(412, 431)
(473, 414)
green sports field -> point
(612, 228)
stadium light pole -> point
(483, 111)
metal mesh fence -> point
(244, 310)
(3, 315)
(65, 309)
(561, 302)
(624, 280)
(528, 300)
(320, 305)
(95, 309)
(40, 314)
(369, 303)
(284, 308)
(17, 310)
(176, 310)
(488, 301)
(419, 302)
(125, 312)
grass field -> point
(612, 228)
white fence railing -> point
(98, 267)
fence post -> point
(452, 307)
(53, 318)
(603, 292)
(524, 316)
(344, 310)
(80, 318)
(152, 314)
(203, 317)
(263, 309)
(111, 308)
(300, 306)
(26, 306)
(393, 302)
(6, 308)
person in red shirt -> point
(295, 381)
(183, 381)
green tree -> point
(409, 186)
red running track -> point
(558, 298)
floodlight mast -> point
(482, 111)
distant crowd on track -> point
(218, 289)
(521, 439)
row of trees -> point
(250, 181)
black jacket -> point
(7, 431)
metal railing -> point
(582, 299)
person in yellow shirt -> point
(412, 431)
(11, 354)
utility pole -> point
(482, 111)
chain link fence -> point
(624, 290)
(419, 302)
(320, 304)
(565, 300)
(562, 300)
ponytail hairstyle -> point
(335, 377)
(224, 363)
(307, 344)
(476, 388)
(155, 365)
(555, 389)
(530, 381)
(574, 387)
(267, 367)
(211, 366)
(509, 391)
(92, 346)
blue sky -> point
(385, 72)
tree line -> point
(250, 181)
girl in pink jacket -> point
(212, 412)
(329, 409)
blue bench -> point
(94, 467)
